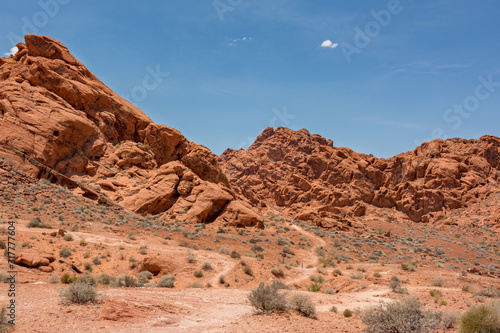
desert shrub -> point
(317, 278)
(406, 316)
(88, 266)
(410, 267)
(395, 286)
(337, 271)
(484, 318)
(304, 305)
(195, 285)
(88, 279)
(68, 237)
(54, 279)
(267, 298)
(3, 276)
(257, 248)
(377, 275)
(314, 287)
(247, 270)
(436, 293)
(347, 313)
(127, 281)
(37, 223)
(222, 279)
(198, 273)
(104, 279)
(278, 272)
(334, 309)
(166, 282)
(80, 293)
(490, 291)
(443, 302)
(280, 285)
(65, 252)
(144, 277)
(207, 266)
(438, 282)
(450, 319)
(96, 261)
(65, 278)
(191, 257)
(470, 288)
(4, 322)
(356, 276)
(329, 291)
(235, 255)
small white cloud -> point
(328, 43)
(237, 40)
(12, 51)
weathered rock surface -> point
(54, 111)
(306, 174)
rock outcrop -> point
(56, 115)
(307, 175)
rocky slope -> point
(58, 121)
(305, 174)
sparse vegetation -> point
(37, 223)
(347, 313)
(65, 252)
(278, 272)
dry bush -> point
(406, 316)
(304, 305)
(80, 293)
(166, 282)
(278, 272)
(267, 298)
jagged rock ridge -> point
(306, 174)
(55, 113)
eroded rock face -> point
(306, 174)
(55, 111)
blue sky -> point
(395, 73)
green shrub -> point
(65, 278)
(347, 313)
(267, 298)
(334, 309)
(406, 316)
(304, 305)
(436, 293)
(314, 287)
(80, 293)
(484, 318)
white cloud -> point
(328, 43)
(237, 40)
(12, 51)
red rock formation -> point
(309, 176)
(54, 111)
